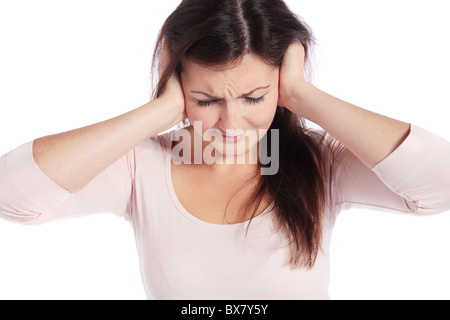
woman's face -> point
(234, 102)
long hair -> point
(219, 32)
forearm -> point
(72, 159)
(370, 136)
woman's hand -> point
(72, 159)
(292, 77)
(172, 93)
(370, 136)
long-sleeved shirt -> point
(183, 257)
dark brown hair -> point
(219, 32)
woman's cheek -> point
(190, 111)
(193, 113)
(263, 118)
(203, 115)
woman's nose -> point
(229, 117)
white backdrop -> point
(65, 64)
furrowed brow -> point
(217, 98)
(253, 91)
(207, 95)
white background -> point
(67, 64)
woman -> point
(222, 229)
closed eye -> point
(255, 100)
(208, 103)
(248, 100)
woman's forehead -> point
(249, 70)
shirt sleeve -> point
(415, 178)
(28, 195)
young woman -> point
(221, 229)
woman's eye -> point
(255, 100)
(206, 103)
(248, 100)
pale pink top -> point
(182, 257)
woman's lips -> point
(233, 139)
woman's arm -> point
(370, 136)
(72, 159)
(77, 172)
(385, 163)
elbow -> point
(431, 206)
(16, 208)
(19, 217)
(13, 209)
(26, 194)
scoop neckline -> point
(187, 214)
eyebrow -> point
(242, 96)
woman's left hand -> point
(292, 76)
(370, 136)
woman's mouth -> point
(232, 139)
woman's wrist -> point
(161, 115)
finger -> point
(295, 55)
(293, 62)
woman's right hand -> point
(172, 94)
(73, 158)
